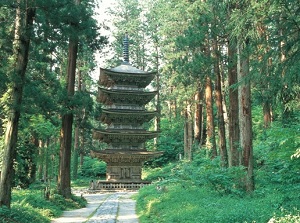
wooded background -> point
(227, 70)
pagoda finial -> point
(126, 48)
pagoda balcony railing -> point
(125, 107)
(120, 125)
(122, 87)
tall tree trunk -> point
(219, 103)
(188, 133)
(47, 160)
(221, 122)
(20, 50)
(245, 116)
(158, 102)
(76, 151)
(265, 81)
(210, 140)
(233, 110)
(64, 175)
(198, 114)
(82, 147)
(41, 158)
(267, 112)
(77, 133)
(32, 165)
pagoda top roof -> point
(125, 74)
(126, 67)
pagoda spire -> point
(126, 48)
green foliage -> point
(92, 167)
(201, 191)
(81, 182)
(170, 142)
(212, 197)
(198, 204)
(67, 204)
(30, 206)
(24, 213)
(153, 174)
(276, 153)
(201, 172)
(25, 165)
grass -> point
(201, 191)
(30, 206)
(180, 199)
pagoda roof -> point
(121, 96)
(126, 116)
(126, 67)
(125, 74)
(124, 136)
(125, 156)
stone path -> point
(115, 207)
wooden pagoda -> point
(122, 92)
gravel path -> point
(115, 207)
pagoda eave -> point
(110, 96)
(124, 136)
(123, 75)
(125, 156)
(130, 116)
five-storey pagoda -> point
(122, 91)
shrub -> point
(93, 167)
(30, 206)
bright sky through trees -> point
(103, 17)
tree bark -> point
(47, 160)
(41, 157)
(188, 133)
(233, 110)
(198, 115)
(76, 151)
(20, 50)
(219, 103)
(210, 140)
(64, 175)
(82, 147)
(245, 117)
(265, 81)
(267, 114)
(77, 133)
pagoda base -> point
(103, 185)
(124, 166)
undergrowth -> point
(30, 206)
(183, 200)
(201, 191)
